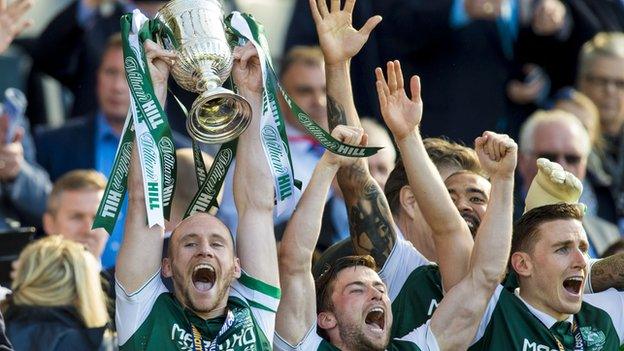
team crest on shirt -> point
(594, 338)
(240, 336)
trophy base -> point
(218, 116)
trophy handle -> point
(218, 116)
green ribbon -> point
(321, 135)
(151, 127)
(115, 192)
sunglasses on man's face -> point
(570, 159)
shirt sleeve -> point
(310, 342)
(131, 310)
(423, 337)
(262, 298)
(612, 302)
(403, 259)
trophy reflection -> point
(195, 31)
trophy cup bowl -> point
(195, 31)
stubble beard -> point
(354, 338)
(222, 285)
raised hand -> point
(246, 72)
(349, 135)
(11, 154)
(337, 37)
(549, 17)
(497, 153)
(11, 23)
(401, 114)
(159, 62)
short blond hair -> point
(583, 102)
(54, 271)
(605, 44)
(301, 54)
(76, 180)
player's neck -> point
(342, 346)
(418, 236)
(214, 313)
(532, 297)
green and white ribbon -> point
(115, 191)
(151, 127)
(156, 150)
(272, 128)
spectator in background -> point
(302, 75)
(380, 164)
(583, 108)
(72, 45)
(558, 54)
(11, 23)
(464, 53)
(72, 206)
(601, 78)
(23, 185)
(90, 142)
(57, 301)
(560, 137)
(586, 111)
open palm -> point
(337, 37)
(400, 113)
(11, 22)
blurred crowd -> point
(428, 216)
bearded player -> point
(224, 297)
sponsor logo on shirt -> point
(243, 337)
(533, 346)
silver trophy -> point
(195, 31)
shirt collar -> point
(545, 318)
(104, 131)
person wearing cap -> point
(549, 309)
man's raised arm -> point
(607, 273)
(455, 321)
(253, 185)
(297, 310)
(370, 220)
(451, 235)
(141, 250)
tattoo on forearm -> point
(335, 113)
(608, 273)
(370, 221)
